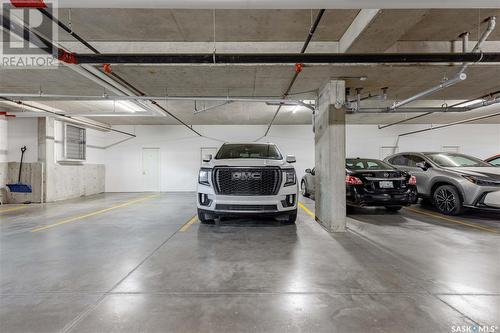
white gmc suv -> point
(247, 179)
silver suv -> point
(452, 181)
(247, 179)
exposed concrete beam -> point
(202, 47)
(278, 4)
(272, 47)
(440, 46)
(358, 25)
(379, 36)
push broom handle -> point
(23, 149)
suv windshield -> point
(365, 164)
(261, 151)
(451, 160)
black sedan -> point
(371, 182)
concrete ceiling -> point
(188, 25)
(123, 26)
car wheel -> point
(393, 208)
(303, 189)
(447, 200)
(204, 219)
(292, 217)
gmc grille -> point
(247, 181)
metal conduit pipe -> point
(70, 60)
(67, 118)
(448, 83)
(411, 110)
(450, 108)
(101, 79)
(438, 109)
(451, 124)
(274, 100)
(460, 75)
(491, 26)
(298, 67)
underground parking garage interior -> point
(250, 166)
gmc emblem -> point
(246, 175)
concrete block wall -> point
(73, 181)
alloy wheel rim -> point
(446, 200)
(302, 188)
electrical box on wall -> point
(75, 143)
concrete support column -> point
(3, 158)
(330, 190)
(46, 156)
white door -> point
(206, 151)
(151, 169)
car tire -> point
(291, 217)
(204, 219)
(393, 208)
(447, 200)
(303, 189)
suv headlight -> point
(204, 176)
(481, 181)
(289, 176)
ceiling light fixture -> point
(360, 78)
(128, 106)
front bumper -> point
(285, 201)
(487, 198)
(356, 195)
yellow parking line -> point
(12, 209)
(301, 205)
(81, 217)
(448, 219)
(189, 223)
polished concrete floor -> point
(139, 263)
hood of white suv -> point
(247, 162)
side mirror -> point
(291, 159)
(423, 165)
(207, 158)
(308, 171)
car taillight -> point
(412, 180)
(351, 180)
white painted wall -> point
(181, 152)
(479, 140)
(22, 132)
(180, 149)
